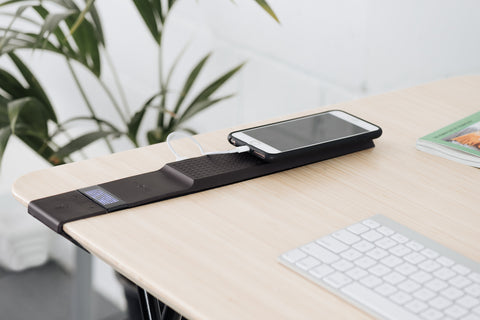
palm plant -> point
(74, 32)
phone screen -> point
(304, 132)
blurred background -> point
(320, 53)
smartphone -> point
(305, 134)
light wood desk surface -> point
(213, 255)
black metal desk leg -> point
(153, 309)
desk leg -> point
(82, 286)
(154, 309)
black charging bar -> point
(173, 180)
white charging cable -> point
(183, 134)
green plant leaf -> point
(87, 42)
(28, 117)
(137, 118)
(200, 106)
(81, 16)
(204, 96)
(268, 9)
(189, 82)
(5, 134)
(35, 88)
(51, 22)
(155, 136)
(10, 85)
(79, 143)
(171, 3)
(157, 8)
(5, 131)
(97, 24)
(146, 10)
(18, 13)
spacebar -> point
(376, 302)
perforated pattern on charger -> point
(207, 166)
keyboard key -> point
(455, 312)
(436, 285)
(337, 279)
(460, 269)
(391, 261)
(429, 265)
(414, 245)
(321, 271)
(385, 231)
(444, 273)
(468, 302)
(400, 297)
(429, 253)
(356, 273)
(473, 290)
(386, 243)
(376, 302)
(365, 262)
(409, 286)
(440, 303)
(307, 263)
(332, 244)
(399, 238)
(371, 281)
(474, 277)
(432, 314)
(320, 253)
(342, 265)
(385, 289)
(351, 254)
(346, 237)
(424, 294)
(372, 235)
(421, 276)
(400, 250)
(358, 228)
(377, 253)
(371, 224)
(460, 282)
(471, 317)
(379, 270)
(406, 269)
(414, 257)
(452, 293)
(394, 278)
(363, 246)
(416, 306)
(294, 255)
(444, 261)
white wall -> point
(322, 52)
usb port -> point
(259, 154)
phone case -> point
(317, 148)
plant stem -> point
(118, 84)
(160, 121)
(87, 102)
(112, 99)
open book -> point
(459, 141)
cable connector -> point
(178, 157)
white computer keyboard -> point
(391, 271)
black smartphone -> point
(305, 134)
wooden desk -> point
(213, 255)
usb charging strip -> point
(174, 179)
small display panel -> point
(304, 132)
(101, 196)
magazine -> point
(459, 141)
